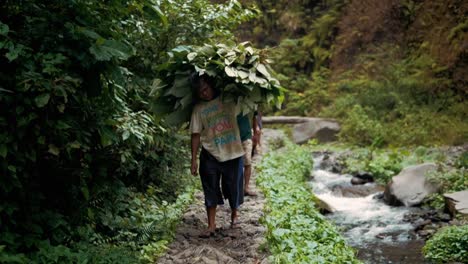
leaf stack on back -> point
(242, 74)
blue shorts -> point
(221, 179)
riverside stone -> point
(324, 130)
(457, 202)
(410, 186)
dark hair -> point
(195, 82)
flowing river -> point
(377, 231)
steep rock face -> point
(363, 27)
(391, 28)
(410, 186)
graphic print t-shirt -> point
(217, 124)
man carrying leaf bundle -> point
(214, 126)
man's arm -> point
(195, 145)
(255, 128)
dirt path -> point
(229, 245)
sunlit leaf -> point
(42, 99)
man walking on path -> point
(214, 126)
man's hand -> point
(194, 168)
(255, 139)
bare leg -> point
(247, 173)
(233, 218)
(211, 212)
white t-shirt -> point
(216, 123)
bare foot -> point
(250, 193)
(207, 233)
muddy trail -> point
(240, 245)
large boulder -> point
(324, 130)
(457, 202)
(410, 186)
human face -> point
(205, 92)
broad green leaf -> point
(4, 29)
(252, 77)
(125, 135)
(262, 69)
(207, 50)
(181, 49)
(54, 149)
(89, 33)
(243, 74)
(13, 53)
(12, 168)
(161, 15)
(181, 87)
(3, 151)
(230, 72)
(253, 58)
(156, 86)
(111, 49)
(42, 99)
(191, 56)
(85, 192)
(62, 125)
(75, 145)
(187, 100)
(107, 136)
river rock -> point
(410, 186)
(457, 202)
(324, 207)
(324, 130)
(357, 190)
(362, 178)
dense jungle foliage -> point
(392, 72)
(88, 174)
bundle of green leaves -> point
(242, 74)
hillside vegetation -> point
(393, 72)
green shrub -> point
(359, 128)
(449, 180)
(75, 127)
(449, 244)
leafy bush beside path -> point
(447, 245)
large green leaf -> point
(111, 49)
(4, 29)
(3, 151)
(178, 117)
(181, 87)
(42, 99)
